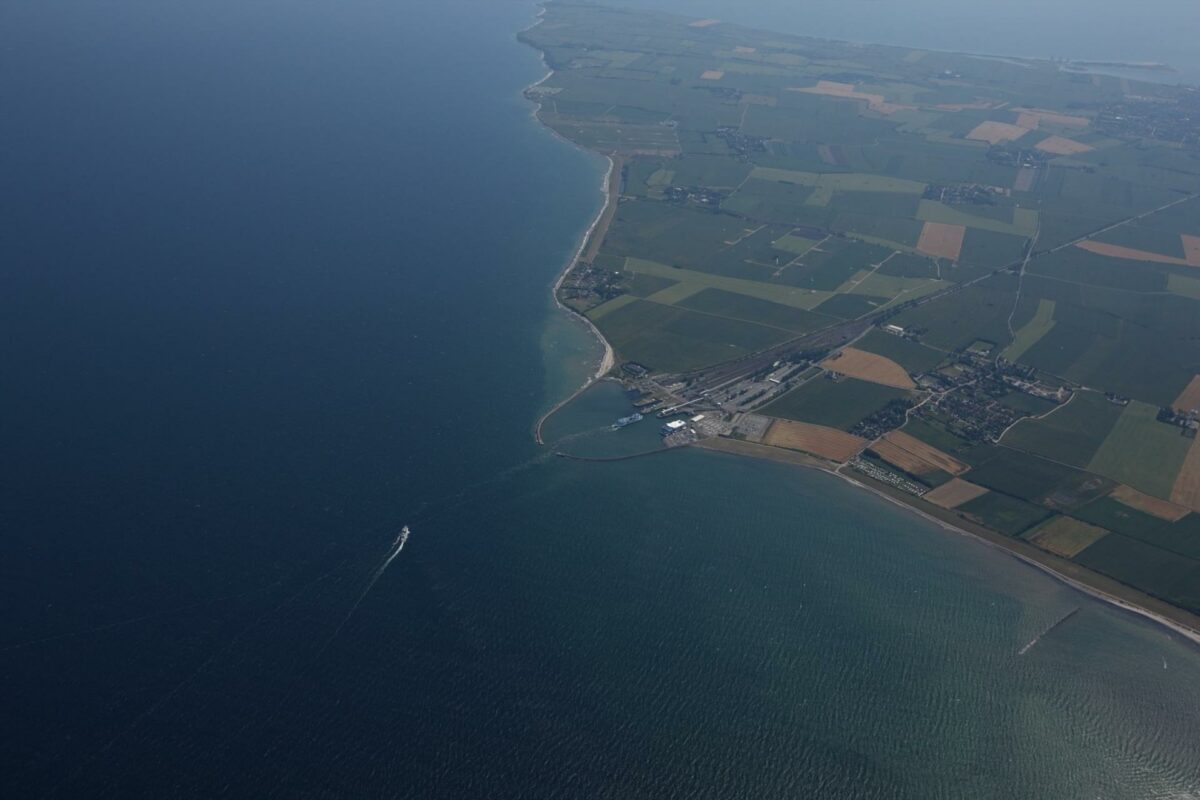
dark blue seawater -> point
(273, 284)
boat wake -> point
(393, 551)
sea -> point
(275, 326)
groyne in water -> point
(1047, 632)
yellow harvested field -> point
(875, 102)
(953, 494)
(1117, 251)
(1028, 121)
(977, 105)
(1187, 484)
(712, 75)
(1189, 398)
(1067, 537)
(996, 132)
(941, 240)
(1062, 146)
(816, 439)
(703, 23)
(899, 457)
(1140, 501)
(927, 453)
(1036, 115)
(1191, 250)
(869, 367)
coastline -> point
(996, 541)
(611, 189)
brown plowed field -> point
(1067, 537)
(1036, 115)
(953, 494)
(1061, 146)
(942, 240)
(1187, 484)
(996, 132)
(943, 461)
(1127, 495)
(1191, 250)
(899, 457)
(875, 102)
(1117, 251)
(816, 439)
(869, 367)
(1189, 398)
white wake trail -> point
(397, 546)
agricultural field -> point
(1003, 513)
(935, 459)
(1065, 536)
(1142, 452)
(914, 357)
(819, 440)
(870, 367)
(671, 338)
(1186, 490)
(1029, 477)
(837, 404)
(1152, 569)
(954, 493)
(780, 199)
(1072, 433)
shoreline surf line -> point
(809, 462)
(610, 187)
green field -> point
(977, 312)
(846, 182)
(1183, 285)
(934, 433)
(838, 404)
(787, 295)
(1020, 222)
(1142, 452)
(750, 309)
(669, 338)
(1072, 433)
(1006, 514)
(1155, 571)
(1033, 330)
(915, 358)
(1024, 475)
(796, 245)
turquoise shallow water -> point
(264, 315)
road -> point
(710, 378)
